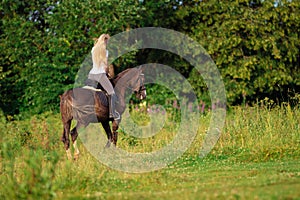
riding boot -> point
(112, 111)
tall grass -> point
(260, 133)
(34, 165)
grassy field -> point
(256, 157)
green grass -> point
(191, 178)
(256, 157)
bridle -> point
(141, 86)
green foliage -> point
(41, 53)
(36, 176)
(28, 159)
(255, 45)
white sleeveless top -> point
(98, 68)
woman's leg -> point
(112, 98)
(106, 84)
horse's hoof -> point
(108, 144)
(76, 156)
(69, 154)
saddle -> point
(93, 85)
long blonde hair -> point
(99, 51)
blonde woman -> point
(99, 71)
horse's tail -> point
(66, 106)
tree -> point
(43, 44)
(20, 28)
(254, 44)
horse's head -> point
(140, 89)
(132, 78)
(136, 83)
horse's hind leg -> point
(65, 138)
(108, 132)
(74, 135)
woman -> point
(99, 71)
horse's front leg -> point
(108, 133)
(115, 127)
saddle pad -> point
(83, 97)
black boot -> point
(112, 111)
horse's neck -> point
(120, 91)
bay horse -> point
(87, 105)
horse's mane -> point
(121, 74)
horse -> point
(89, 105)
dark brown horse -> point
(88, 105)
